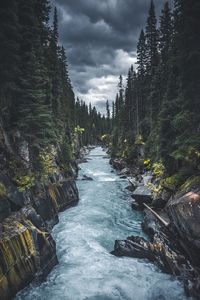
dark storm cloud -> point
(100, 37)
(121, 15)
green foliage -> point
(173, 181)
(115, 143)
(79, 130)
(155, 189)
(106, 139)
(158, 169)
(157, 109)
(47, 162)
(66, 156)
(129, 151)
(160, 106)
(139, 140)
(190, 182)
(147, 164)
(24, 182)
(3, 190)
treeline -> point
(37, 102)
(157, 113)
(94, 125)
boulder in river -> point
(85, 177)
(130, 188)
(125, 171)
(118, 163)
(133, 184)
(134, 246)
(142, 195)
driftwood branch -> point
(166, 224)
(130, 182)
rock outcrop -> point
(184, 212)
(175, 247)
(27, 252)
(142, 195)
(165, 250)
(27, 249)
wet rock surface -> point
(171, 248)
(27, 249)
(164, 250)
(118, 163)
(184, 211)
(142, 195)
(85, 177)
(174, 248)
(26, 253)
(134, 246)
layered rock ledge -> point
(27, 249)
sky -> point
(100, 38)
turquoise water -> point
(86, 234)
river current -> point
(85, 236)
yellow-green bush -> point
(24, 182)
(47, 162)
(158, 169)
(156, 189)
(147, 163)
(105, 139)
(139, 140)
(79, 130)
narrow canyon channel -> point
(85, 236)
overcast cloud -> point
(100, 37)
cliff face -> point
(27, 249)
(184, 211)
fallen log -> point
(166, 224)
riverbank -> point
(173, 231)
(27, 216)
(85, 236)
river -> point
(85, 236)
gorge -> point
(99, 175)
(85, 236)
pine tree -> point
(130, 104)
(55, 66)
(33, 115)
(165, 46)
(9, 60)
(165, 33)
(108, 115)
(107, 110)
(142, 54)
(152, 63)
(152, 40)
(141, 82)
(121, 117)
(187, 120)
